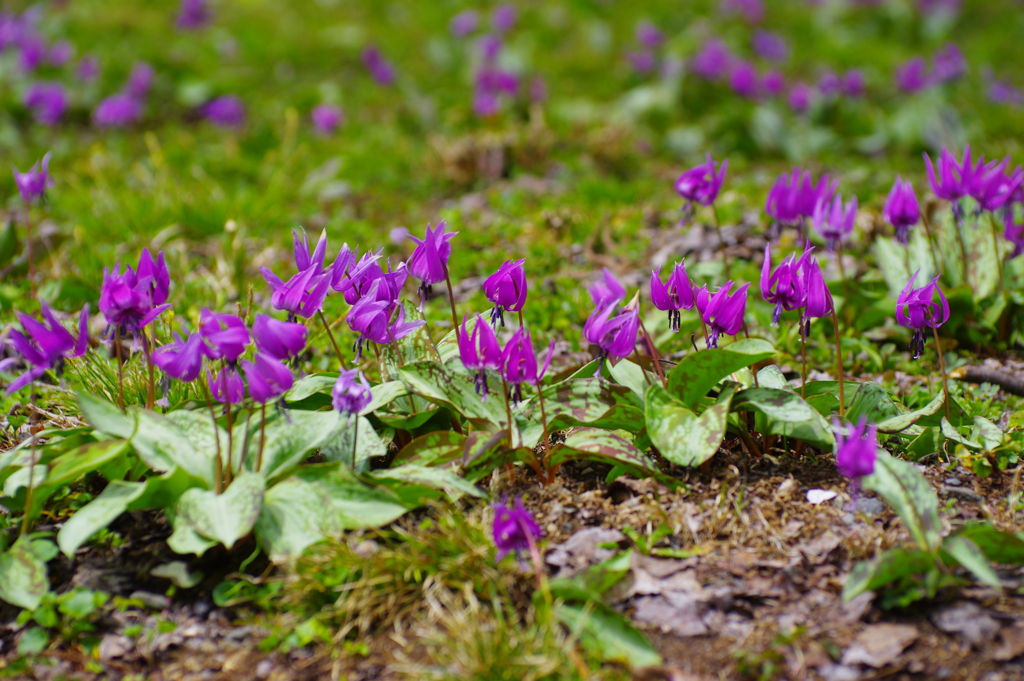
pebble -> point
(152, 600)
(264, 668)
(870, 506)
(955, 482)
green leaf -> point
(8, 243)
(178, 573)
(632, 376)
(889, 567)
(950, 432)
(317, 502)
(966, 553)
(988, 433)
(33, 641)
(310, 385)
(433, 448)
(681, 436)
(69, 467)
(699, 372)
(404, 480)
(104, 416)
(608, 634)
(291, 436)
(899, 423)
(384, 394)
(23, 580)
(998, 547)
(410, 350)
(225, 517)
(441, 385)
(785, 413)
(162, 445)
(771, 376)
(591, 402)
(910, 495)
(873, 403)
(355, 450)
(185, 540)
(601, 445)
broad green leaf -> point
(889, 567)
(311, 385)
(448, 347)
(950, 432)
(785, 413)
(592, 402)
(697, 373)
(415, 348)
(410, 421)
(987, 433)
(384, 394)
(69, 467)
(23, 580)
(185, 540)
(899, 423)
(225, 517)
(632, 376)
(604, 446)
(162, 445)
(8, 243)
(681, 436)
(355, 443)
(104, 416)
(966, 553)
(771, 376)
(404, 481)
(290, 436)
(873, 403)
(910, 495)
(434, 448)
(317, 502)
(178, 573)
(441, 385)
(928, 442)
(997, 546)
(608, 634)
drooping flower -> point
(506, 288)
(722, 312)
(743, 80)
(379, 67)
(648, 35)
(853, 83)
(835, 222)
(126, 299)
(88, 69)
(267, 377)
(140, 80)
(856, 448)
(819, 299)
(607, 291)
(614, 335)
(47, 102)
(193, 14)
(950, 183)
(429, 259)
(673, 296)
(327, 118)
(45, 345)
(182, 359)
(770, 46)
(917, 309)
(513, 528)
(225, 334)
(948, 64)
(226, 111)
(156, 271)
(303, 295)
(991, 187)
(713, 61)
(117, 111)
(504, 18)
(479, 352)
(901, 209)
(351, 393)
(33, 183)
(370, 317)
(519, 363)
(800, 97)
(701, 184)
(277, 339)
(786, 286)
(227, 387)
(912, 75)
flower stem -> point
(508, 408)
(28, 251)
(355, 440)
(963, 248)
(549, 475)
(538, 567)
(521, 324)
(839, 362)
(151, 387)
(995, 247)
(846, 286)
(327, 328)
(931, 241)
(451, 297)
(655, 357)
(120, 367)
(721, 241)
(218, 470)
(26, 518)
(228, 472)
(942, 367)
(803, 356)
(263, 436)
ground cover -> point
(718, 452)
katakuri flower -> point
(156, 271)
(126, 300)
(226, 111)
(786, 286)
(429, 259)
(227, 387)
(267, 377)
(948, 64)
(912, 75)
(819, 299)
(800, 97)
(770, 46)
(949, 184)
(379, 67)
(606, 291)
(901, 209)
(193, 14)
(743, 79)
(464, 23)
(225, 334)
(327, 118)
(835, 222)
(614, 335)
(351, 393)
(182, 359)
(117, 111)
(794, 197)
(648, 35)
(45, 345)
(88, 69)
(519, 363)
(701, 184)
(713, 61)
(856, 448)
(47, 102)
(301, 296)
(277, 339)
(370, 317)
(33, 183)
(917, 309)
(673, 296)
(514, 529)
(721, 311)
(504, 18)
(506, 288)
(991, 187)
(853, 83)
(140, 80)
(479, 351)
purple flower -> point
(139, 81)
(750, 10)
(305, 258)
(916, 309)
(911, 76)
(47, 102)
(853, 83)
(901, 209)
(856, 448)
(193, 14)
(773, 83)
(787, 285)
(1014, 233)
(267, 377)
(991, 187)
(743, 80)
(615, 336)
(514, 529)
(722, 312)
(117, 111)
(157, 274)
(504, 18)
(701, 184)
(950, 184)
(88, 69)
(479, 351)
(464, 23)
(228, 387)
(182, 359)
(429, 259)
(835, 222)
(33, 51)
(379, 67)
(226, 111)
(800, 97)
(277, 339)
(46, 344)
(33, 183)
(519, 363)
(351, 393)
(538, 90)
(819, 298)
(794, 197)
(648, 35)
(713, 61)
(771, 46)
(607, 291)
(225, 335)
(59, 53)
(490, 45)
(644, 61)
(371, 319)
(327, 118)
(830, 84)
(948, 64)
(126, 300)
(674, 296)
(506, 288)
(303, 295)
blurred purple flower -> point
(673, 296)
(327, 118)
(228, 387)
(303, 295)
(950, 183)
(182, 359)
(506, 289)
(751, 10)
(278, 339)
(225, 335)
(140, 80)
(901, 209)
(156, 272)
(856, 448)
(948, 64)
(193, 14)
(513, 529)
(479, 352)
(607, 291)
(429, 259)
(1014, 233)
(117, 111)
(1002, 92)
(60, 53)
(800, 97)
(45, 345)
(490, 46)
(519, 363)
(916, 309)
(819, 298)
(794, 197)
(713, 61)
(503, 18)
(991, 187)
(830, 85)
(88, 69)
(464, 23)
(702, 184)
(853, 83)
(33, 51)
(33, 183)
(770, 46)
(743, 80)
(648, 35)
(773, 83)
(126, 300)
(351, 393)
(379, 67)
(538, 90)
(226, 111)
(722, 312)
(643, 61)
(912, 76)
(834, 222)
(268, 378)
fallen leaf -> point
(582, 550)
(968, 620)
(1011, 644)
(880, 644)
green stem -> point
(721, 241)
(931, 241)
(151, 387)
(839, 361)
(803, 355)
(655, 357)
(995, 248)
(451, 297)
(26, 518)
(942, 368)
(263, 436)
(120, 367)
(218, 469)
(327, 328)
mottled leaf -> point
(889, 567)
(910, 495)
(225, 517)
(785, 413)
(966, 553)
(680, 435)
(901, 422)
(23, 579)
(601, 445)
(697, 373)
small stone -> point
(152, 600)
(849, 519)
(954, 481)
(870, 506)
(263, 669)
